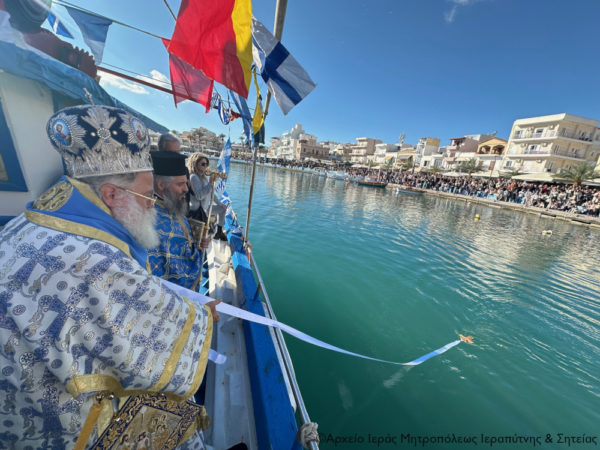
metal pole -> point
(280, 9)
(304, 417)
(251, 192)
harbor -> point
(427, 272)
(184, 266)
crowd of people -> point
(554, 196)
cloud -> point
(159, 76)
(120, 83)
(450, 15)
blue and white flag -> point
(242, 107)
(93, 28)
(223, 166)
(58, 27)
(224, 111)
(287, 81)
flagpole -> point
(280, 9)
(254, 153)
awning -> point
(32, 64)
(538, 176)
(486, 174)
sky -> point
(425, 68)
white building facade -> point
(551, 144)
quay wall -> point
(578, 219)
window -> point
(508, 164)
(518, 134)
(11, 176)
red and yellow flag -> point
(216, 37)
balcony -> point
(530, 135)
(551, 134)
(542, 153)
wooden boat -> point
(372, 183)
(253, 398)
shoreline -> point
(576, 219)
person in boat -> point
(178, 256)
(82, 321)
(202, 190)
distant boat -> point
(337, 175)
(407, 191)
(372, 183)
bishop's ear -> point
(108, 194)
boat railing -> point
(287, 360)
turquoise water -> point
(395, 276)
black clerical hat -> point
(168, 164)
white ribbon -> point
(232, 311)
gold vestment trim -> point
(203, 356)
(171, 364)
(71, 227)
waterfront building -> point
(341, 153)
(275, 144)
(551, 144)
(490, 152)
(364, 148)
(306, 147)
(462, 149)
(385, 152)
(406, 155)
(426, 146)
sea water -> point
(395, 276)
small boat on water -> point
(337, 174)
(372, 183)
(407, 191)
(253, 397)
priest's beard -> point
(174, 205)
(139, 221)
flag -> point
(215, 36)
(258, 121)
(188, 83)
(93, 28)
(223, 166)
(242, 107)
(58, 27)
(285, 78)
(224, 111)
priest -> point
(89, 339)
(178, 256)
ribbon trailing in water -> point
(239, 313)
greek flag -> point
(287, 81)
(242, 107)
(58, 27)
(94, 30)
(223, 166)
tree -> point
(470, 166)
(371, 164)
(511, 173)
(578, 174)
(389, 164)
(409, 164)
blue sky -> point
(440, 68)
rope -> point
(308, 433)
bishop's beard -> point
(139, 221)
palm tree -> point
(578, 174)
(408, 165)
(470, 166)
(371, 164)
(389, 164)
(511, 173)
